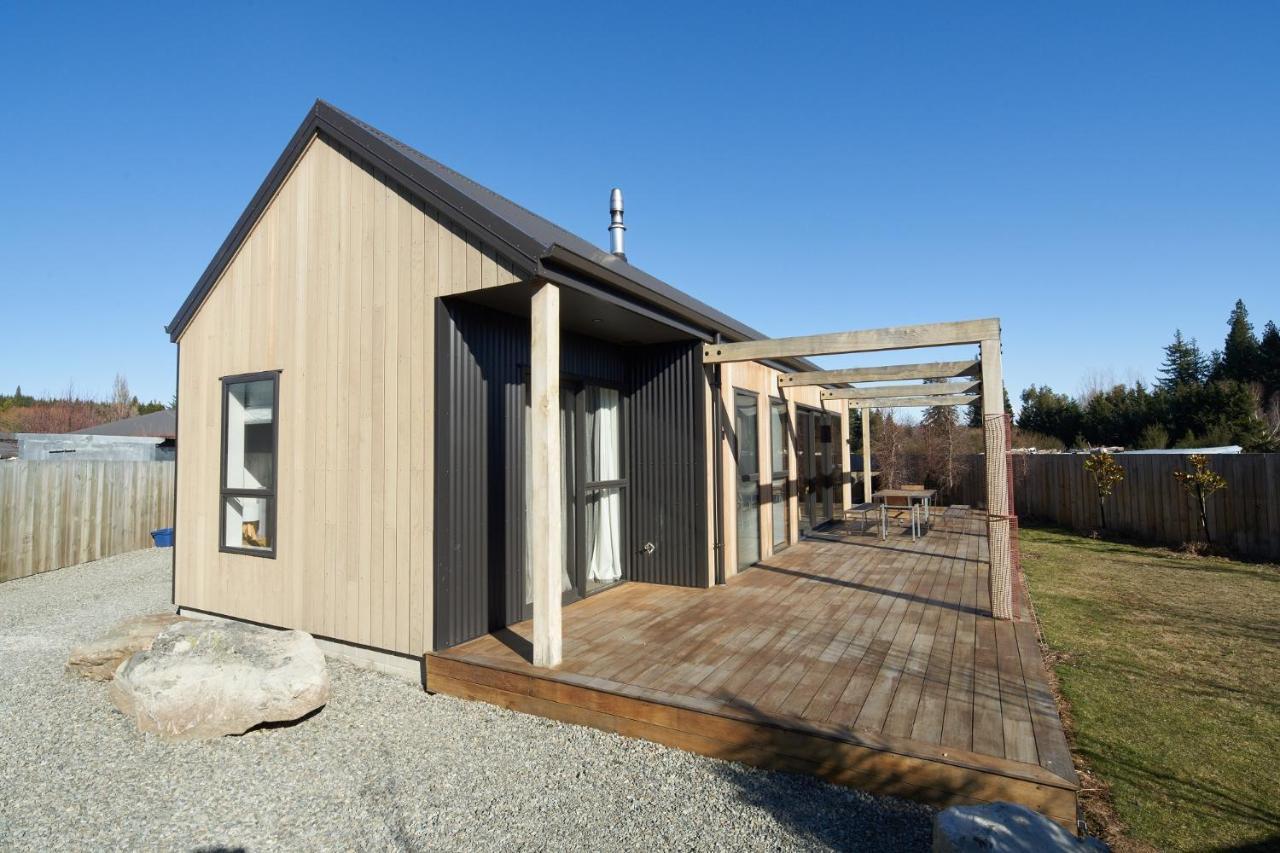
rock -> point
(99, 659)
(1004, 828)
(204, 679)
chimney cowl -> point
(616, 228)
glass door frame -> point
(753, 398)
(576, 558)
(584, 488)
(780, 480)
(823, 468)
(815, 497)
(804, 467)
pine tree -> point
(938, 427)
(1241, 354)
(1270, 368)
(1049, 413)
(1184, 364)
(1215, 365)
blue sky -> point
(1094, 174)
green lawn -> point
(1171, 665)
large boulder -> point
(100, 658)
(204, 679)
(1004, 828)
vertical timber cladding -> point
(482, 364)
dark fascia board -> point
(659, 293)
(567, 277)
(549, 262)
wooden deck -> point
(868, 663)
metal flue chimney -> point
(616, 228)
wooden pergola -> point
(969, 380)
(949, 383)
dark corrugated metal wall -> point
(668, 493)
(478, 382)
(482, 364)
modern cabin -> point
(419, 419)
(354, 372)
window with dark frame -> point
(250, 445)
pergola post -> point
(793, 480)
(1000, 577)
(866, 453)
(985, 333)
(846, 476)
(546, 557)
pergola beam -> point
(931, 389)
(928, 370)
(913, 402)
(867, 340)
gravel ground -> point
(383, 766)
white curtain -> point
(605, 528)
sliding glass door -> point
(822, 467)
(593, 490)
(602, 487)
(780, 472)
(804, 468)
(816, 448)
(746, 411)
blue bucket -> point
(163, 537)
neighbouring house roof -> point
(542, 247)
(161, 424)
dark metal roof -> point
(161, 424)
(544, 248)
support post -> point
(1000, 577)
(793, 477)
(846, 476)
(866, 454)
(545, 510)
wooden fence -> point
(1149, 503)
(55, 513)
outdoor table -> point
(924, 496)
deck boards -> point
(884, 646)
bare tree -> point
(886, 447)
(1096, 381)
(60, 414)
(121, 403)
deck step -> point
(875, 763)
